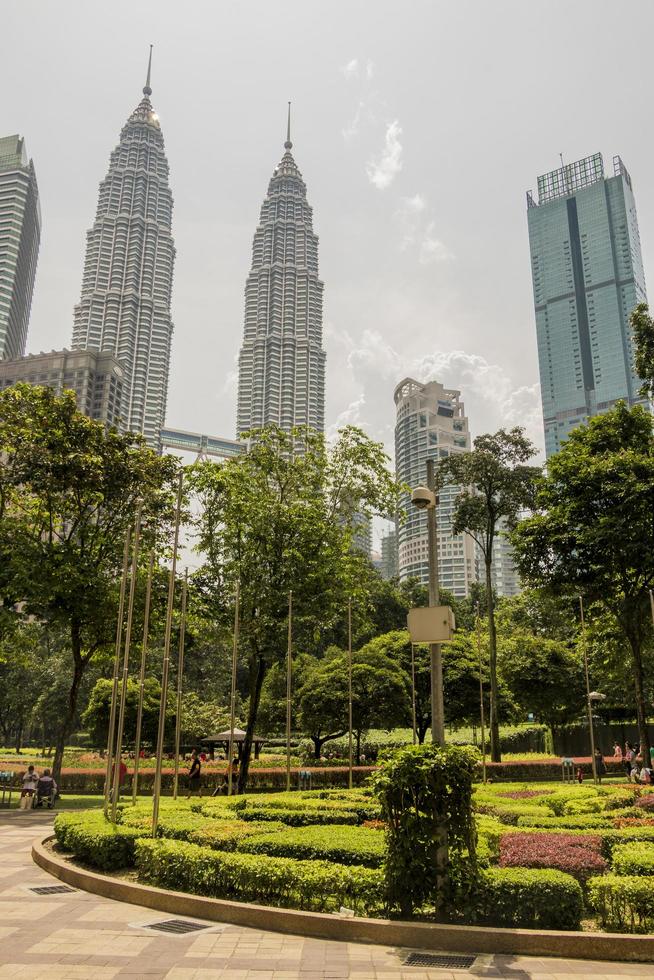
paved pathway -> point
(79, 935)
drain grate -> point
(52, 889)
(444, 961)
(176, 927)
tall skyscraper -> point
(282, 362)
(128, 272)
(20, 234)
(587, 273)
(431, 424)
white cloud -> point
(370, 69)
(351, 69)
(491, 397)
(353, 127)
(409, 217)
(432, 249)
(383, 169)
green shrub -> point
(623, 903)
(299, 818)
(585, 821)
(620, 798)
(342, 844)
(314, 885)
(557, 801)
(633, 859)
(225, 835)
(528, 898)
(491, 831)
(626, 835)
(356, 802)
(94, 840)
(588, 804)
(507, 812)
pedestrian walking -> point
(195, 774)
(600, 765)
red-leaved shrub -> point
(646, 802)
(576, 854)
(621, 822)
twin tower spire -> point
(125, 303)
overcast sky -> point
(418, 126)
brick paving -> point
(77, 935)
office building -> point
(282, 361)
(96, 378)
(587, 273)
(20, 235)
(431, 424)
(124, 307)
(506, 581)
(388, 567)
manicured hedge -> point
(576, 855)
(508, 812)
(633, 859)
(299, 818)
(528, 898)
(94, 840)
(585, 821)
(623, 903)
(342, 844)
(313, 885)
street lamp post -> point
(425, 498)
(591, 696)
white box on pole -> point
(431, 624)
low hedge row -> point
(633, 859)
(314, 885)
(623, 903)
(342, 844)
(526, 898)
(585, 821)
(94, 840)
(299, 818)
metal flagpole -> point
(588, 701)
(289, 682)
(413, 692)
(180, 681)
(232, 712)
(114, 689)
(166, 665)
(144, 650)
(349, 687)
(128, 640)
(481, 700)
(437, 707)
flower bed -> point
(579, 856)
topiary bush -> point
(579, 856)
(298, 818)
(425, 793)
(315, 885)
(97, 842)
(585, 821)
(527, 898)
(342, 844)
(633, 859)
(623, 903)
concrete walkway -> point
(77, 935)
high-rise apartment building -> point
(431, 424)
(124, 307)
(388, 567)
(95, 377)
(20, 235)
(587, 273)
(282, 361)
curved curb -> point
(384, 932)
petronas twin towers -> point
(127, 284)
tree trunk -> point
(641, 707)
(317, 745)
(358, 752)
(496, 754)
(19, 738)
(68, 720)
(256, 683)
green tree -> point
(68, 493)
(380, 697)
(498, 486)
(21, 680)
(643, 333)
(593, 535)
(278, 519)
(95, 718)
(545, 677)
(272, 707)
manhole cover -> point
(51, 889)
(445, 961)
(177, 927)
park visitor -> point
(194, 774)
(30, 782)
(617, 752)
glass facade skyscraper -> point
(587, 274)
(20, 235)
(124, 308)
(431, 424)
(281, 375)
